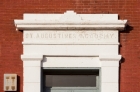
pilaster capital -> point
(110, 57)
(31, 57)
(110, 60)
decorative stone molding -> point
(31, 57)
(71, 21)
(68, 43)
(71, 40)
(110, 57)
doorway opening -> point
(71, 80)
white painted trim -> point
(31, 73)
(31, 57)
(81, 22)
(77, 53)
(70, 27)
(71, 62)
(71, 21)
(69, 43)
(110, 57)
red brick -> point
(10, 40)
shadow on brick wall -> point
(127, 29)
(124, 33)
(18, 85)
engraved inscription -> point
(70, 91)
(53, 35)
(70, 36)
(28, 35)
(94, 35)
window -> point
(71, 80)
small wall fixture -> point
(10, 82)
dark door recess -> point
(71, 80)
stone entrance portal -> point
(70, 41)
(71, 80)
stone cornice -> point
(72, 21)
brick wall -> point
(10, 39)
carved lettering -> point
(37, 36)
(70, 91)
(81, 35)
(54, 35)
(28, 35)
(111, 35)
(72, 36)
(100, 36)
